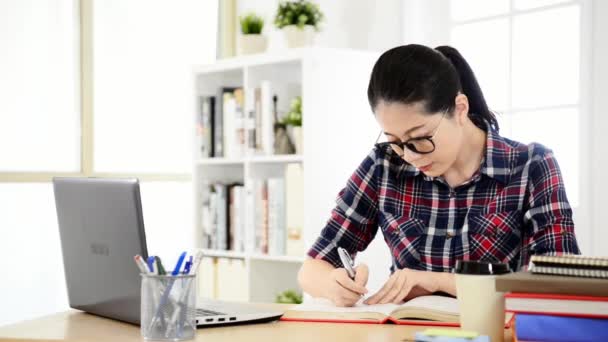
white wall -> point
(354, 24)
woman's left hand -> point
(401, 283)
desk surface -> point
(74, 325)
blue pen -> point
(188, 265)
(178, 266)
(151, 263)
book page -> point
(434, 303)
(325, 305)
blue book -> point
(529, 327)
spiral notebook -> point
(570, 265)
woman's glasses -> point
(420, 145)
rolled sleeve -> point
(549, 226)
(352, 224)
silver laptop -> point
(101, 228)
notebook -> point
(424, 310)
(527, 282)
(570, 265)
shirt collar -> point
(496, 163)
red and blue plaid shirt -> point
(514, 206)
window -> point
(39, 110)
(527, 58)
(94, 88)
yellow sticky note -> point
(451, 333)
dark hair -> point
(416, 73)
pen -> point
(188, 265)
(159, 266)
(151, 263)
(347, 262)
(179, 264)
(139, 261)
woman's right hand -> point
(342, 290)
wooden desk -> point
(74, 325)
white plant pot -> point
(297, 37)
(252, 43)
(298, 139)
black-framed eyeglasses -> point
(419, 145)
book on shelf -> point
(424, 310)
(261, 216)
(218, 124)
(294, 211)
(234, 124)
(527, 282)
(221, 210)
(570, 265)
(237, 221)
(204, 126)
(276, 216)
(265, 117)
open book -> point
(424, 310)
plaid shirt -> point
(514, 206)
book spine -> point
(221, 233)
(267, 118)
(249, 122)
(259, 144)
(212, 118)
(239, 140)
(206, 217)
(294, 199)
(251, 217)
(231, 218)
(229, 113)
(264, 205)
(276, 216)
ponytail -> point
(478, 108)
(433, 77)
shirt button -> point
(452, 194)
(449, 235)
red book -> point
(557, 305)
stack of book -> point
(560, 298)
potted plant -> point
(289, 297)
(299, 20)
(251, 39)
(293, 119)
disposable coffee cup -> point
(482, 309)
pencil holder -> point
(168, 307)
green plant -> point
(294, 116)
(251, 24)
(299, 13)
(289, 297)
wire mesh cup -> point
(168, 307)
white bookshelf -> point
(337, 136)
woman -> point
(442, 186)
